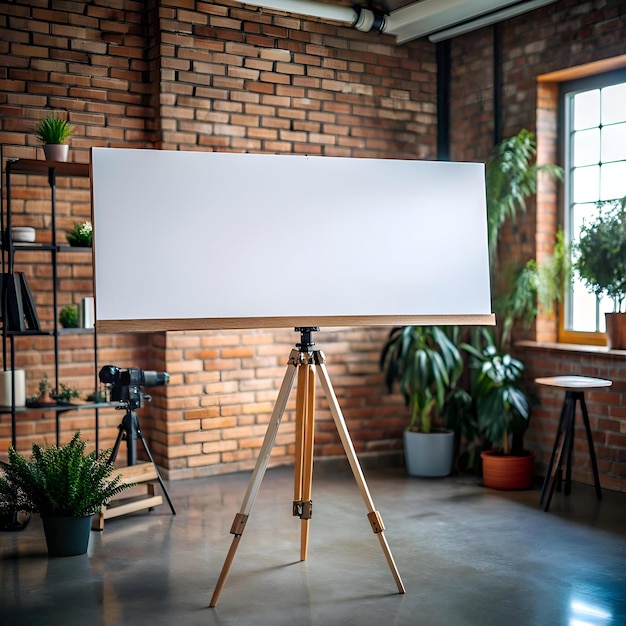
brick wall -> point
(205, 76)
(223, 76)
(563, 35)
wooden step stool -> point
(128, 501)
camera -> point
(124, 384)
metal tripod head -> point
(306, 340)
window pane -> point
(582, 213)
(606, 306)
(587, 109)
(586, 181)
(584, 309)
(613, 142)
(586, 147)
(614, 104)
(613, 177)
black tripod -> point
(130, 431)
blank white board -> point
(200, 240)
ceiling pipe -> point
(360, 18)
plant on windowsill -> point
(81, 236)
(601, 264)
(65, 486)
(54, 133)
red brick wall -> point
(563, 35)
(206, 76)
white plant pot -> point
(56, 152)
(6, 387)
(428, 455)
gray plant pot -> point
(428, 455)
(56, 152)
(66, 536)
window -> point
(594, 123)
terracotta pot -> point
(508, 472)
(616, 330)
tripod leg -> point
(373, 516)
(305, 429)
(156, 469)
(259, 471)
(116, 447)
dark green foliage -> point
(427, 364)
(66, 394)
(68, 317)
(61, 481)
(81, 235)
(502, 404)
(53, 130)
(601, 253)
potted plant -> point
(601, 264)
(54, 132)
(503, 409)
(426, 363)
(66, 394)
(496, 384)
(45, 392)
(81, 235)
(68, 317)
(65, 486)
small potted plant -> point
(600, 261)
(54, 132)
(427, 364)
(68, 317)
(66, 394)
(65, 486)
(81, 235)
(45, 392)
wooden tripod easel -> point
(304, 361)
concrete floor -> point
(467, 555)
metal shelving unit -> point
(10, 248)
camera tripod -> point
(304, 361)
(130, 431)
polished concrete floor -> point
(467, 555)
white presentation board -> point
(202, 240)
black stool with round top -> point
(564, 442)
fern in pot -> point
(65, 486)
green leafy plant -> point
(66, 394)
(96, 397)
(601, 253)
(53, 130)
(511, 178)
(58, 481)
(81, 235)
(68, 316)
(499, 394)
(427, 364)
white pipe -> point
(308, 7)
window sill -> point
(572, 348)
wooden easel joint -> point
(303, 509)
(239, 524)
(376, 522)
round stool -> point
(564, 442)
